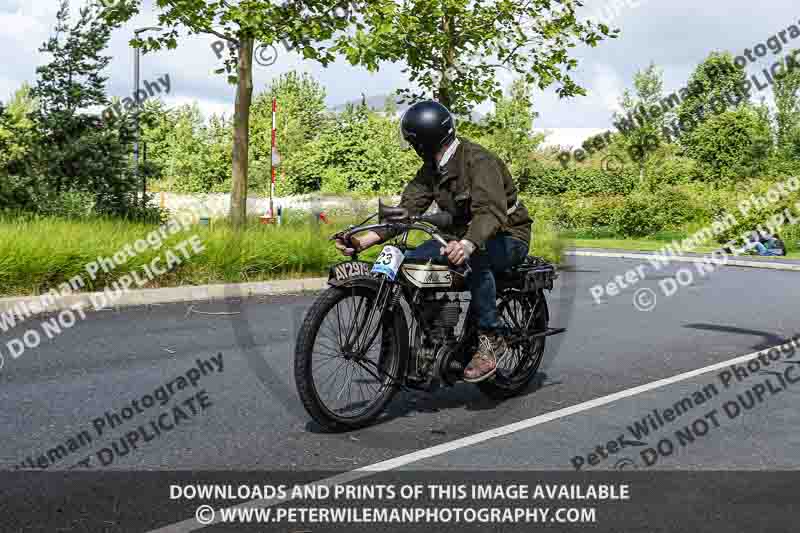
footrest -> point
(549, 331)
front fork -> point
(371, 324)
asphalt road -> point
(249, 416)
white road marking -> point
(768, 264)
(192, 525)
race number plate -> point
(388, 262)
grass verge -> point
(38, 253)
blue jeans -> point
(502, 252)
(763, 250)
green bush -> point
(360, 153)
(644, 213)
(733, 145)
(671, 170)
(18, 192)
(67, 205)
(588, 211)
(781, 165)
(635, 217)
(770, 216)
(581, 179)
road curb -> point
(684, 259)
(33, 304)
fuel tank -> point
(431, 276)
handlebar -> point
(426, 223)
(345, 235)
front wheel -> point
(521, 316)
(348, 362)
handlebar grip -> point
(345, 237)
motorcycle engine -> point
(441, 315)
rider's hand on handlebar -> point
(458, 252)
(359, 243)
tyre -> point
(520, 315)
(343, 379)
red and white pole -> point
(272, 157)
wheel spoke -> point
(351, 336)
(524, 351)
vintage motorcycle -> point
(399, 323)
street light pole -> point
(136, 113)
(136, 125)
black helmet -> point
(428, 126)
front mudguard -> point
(361, 281)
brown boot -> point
(484, 362)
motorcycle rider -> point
(491, 223)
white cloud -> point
(606, 87)
(22, 28)
(676, 35)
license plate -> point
(350, 269)
(388, 262)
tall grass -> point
(38, 253)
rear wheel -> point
(521, 315)
(347, 357)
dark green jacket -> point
(477, 190)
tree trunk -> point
(443, 93)
(241, 133)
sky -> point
(676, 35)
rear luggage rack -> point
(531, 275)
(538, 274)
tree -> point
(787, 113)
(714, 87)
(732, 145)
(184, 150)
(509, 130)
(645, 106)
(78, 151)
(454, 49)
(302, 24)
(17, 133)
(218, 139)
(18, 185)
(360, 152)
(191, 153)
(157, 125)
(301, 115)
